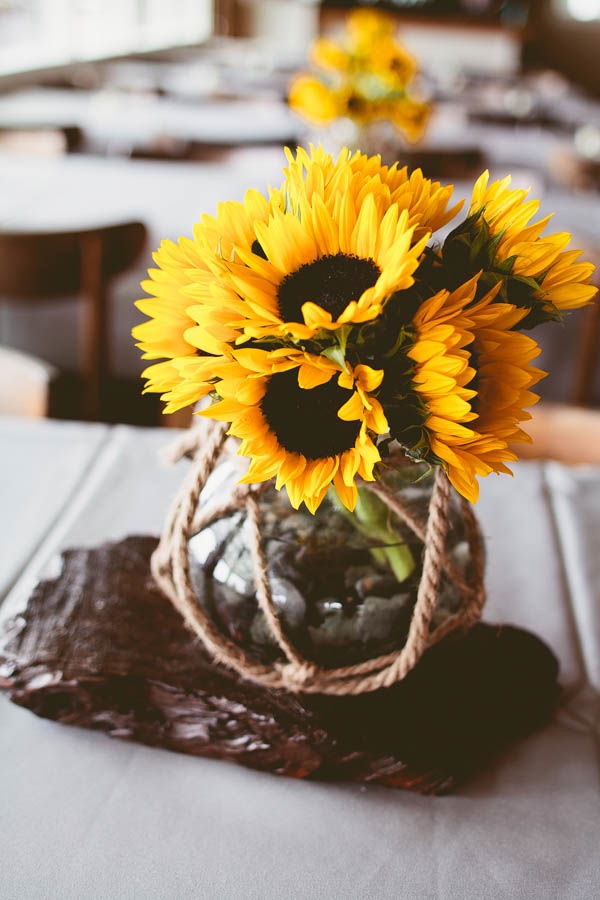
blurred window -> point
(580, 10)
(39, 33)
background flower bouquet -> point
(350, 356)
(365, 76)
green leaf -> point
(337, 355)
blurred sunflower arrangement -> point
(365, 77)
(333, 332)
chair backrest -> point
(24, 384)
(588, 355)
(38, 266)
(50, 264)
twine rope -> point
(171, 571)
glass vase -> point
(344, 585)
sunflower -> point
(327, 329)
(321, 104)
(198, 262)
(411, 117)
(325, 251)
(323, 270)
(559, 280)
(367, 28)
(366, 76)
(473, 376)
(314, 100)
(328, 54)
(392, 63)
(366, 32)
(300, 418)
(425, 201)
(325, 261)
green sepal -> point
(405, 335)
(337, 352)
(337, 355)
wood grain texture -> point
(100, 647)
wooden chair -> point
(589, 355)
(37, 267)
(183, 418)
(25, 384)
(444, 163)
(206, 151)
(569, 434)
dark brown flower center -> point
(307, 421)
(332, 282)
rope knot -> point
(160, 566)
(298, 676)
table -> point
(112, 118)
(116, 120)
(85, 816)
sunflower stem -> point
(371, 518)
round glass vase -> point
(344, 585)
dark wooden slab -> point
(100, 647)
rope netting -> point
(171, 570)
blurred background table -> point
(120, 122)
(106, 818)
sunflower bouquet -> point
(365, 77)
(350, 354)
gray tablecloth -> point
(86, 817)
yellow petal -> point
(312, 376)
(352, 409)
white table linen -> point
(118, 118)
